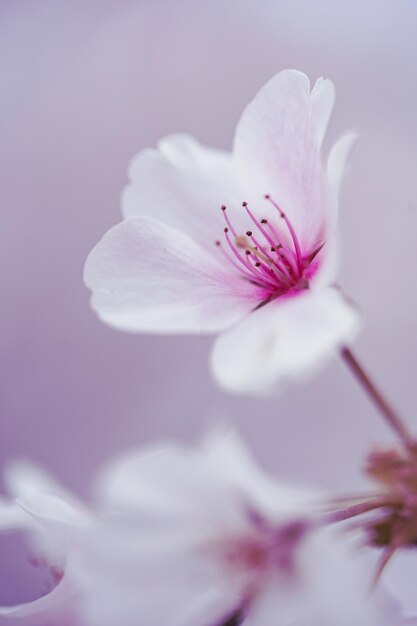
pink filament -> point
(266, 261)
(292, 233)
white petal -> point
(284, 340)
(11, 516)
(146, 276)
(261, 492)
(53, 512)
(25, 480)
(337, 166)
(277, 148)
(175, 486)
(201, 486)
(330, 586)
(131, 578)
(399, 577)
(53, 527)
(48, 512)
(183, 184)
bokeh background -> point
(84, 85)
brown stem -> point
(382, 404)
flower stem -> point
(382, 404)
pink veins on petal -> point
(267, 256)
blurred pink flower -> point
(202, 536)
(190, 536)
(270, 208)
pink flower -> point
(188, 537)
(242, 244)
(203, 537)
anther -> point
(223, 208)
(217, 243)
(226, 230)
(249, 233)
(248, 252)
(244, 204)
(264, 221)
(257, 264)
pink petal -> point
(277, 148)
(282, 341)
(146, 276)
(183, 184)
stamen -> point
(282, 276)
(265, 255)
(227, 256)
(269, 274)
(241, 259)
(292, 232)
(289, 260)
(228, 222)
(258, 224)
(263, 273)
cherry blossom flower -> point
(202, 536)
(241, 244)
(193, 536)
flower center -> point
(263, 550)
(268, 256)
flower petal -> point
(168, 482)
(11, 516)
(337, 167)
(183, 184)
(277, 148)
(204, 485)
(330, 586)
(282, 341)
(146, 276)
(129, 575)
(25, 480)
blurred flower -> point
(242, 242)
(391, 512)
(193, 536)
(51, 518)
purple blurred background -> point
(86, 85)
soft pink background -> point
(84, 85)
